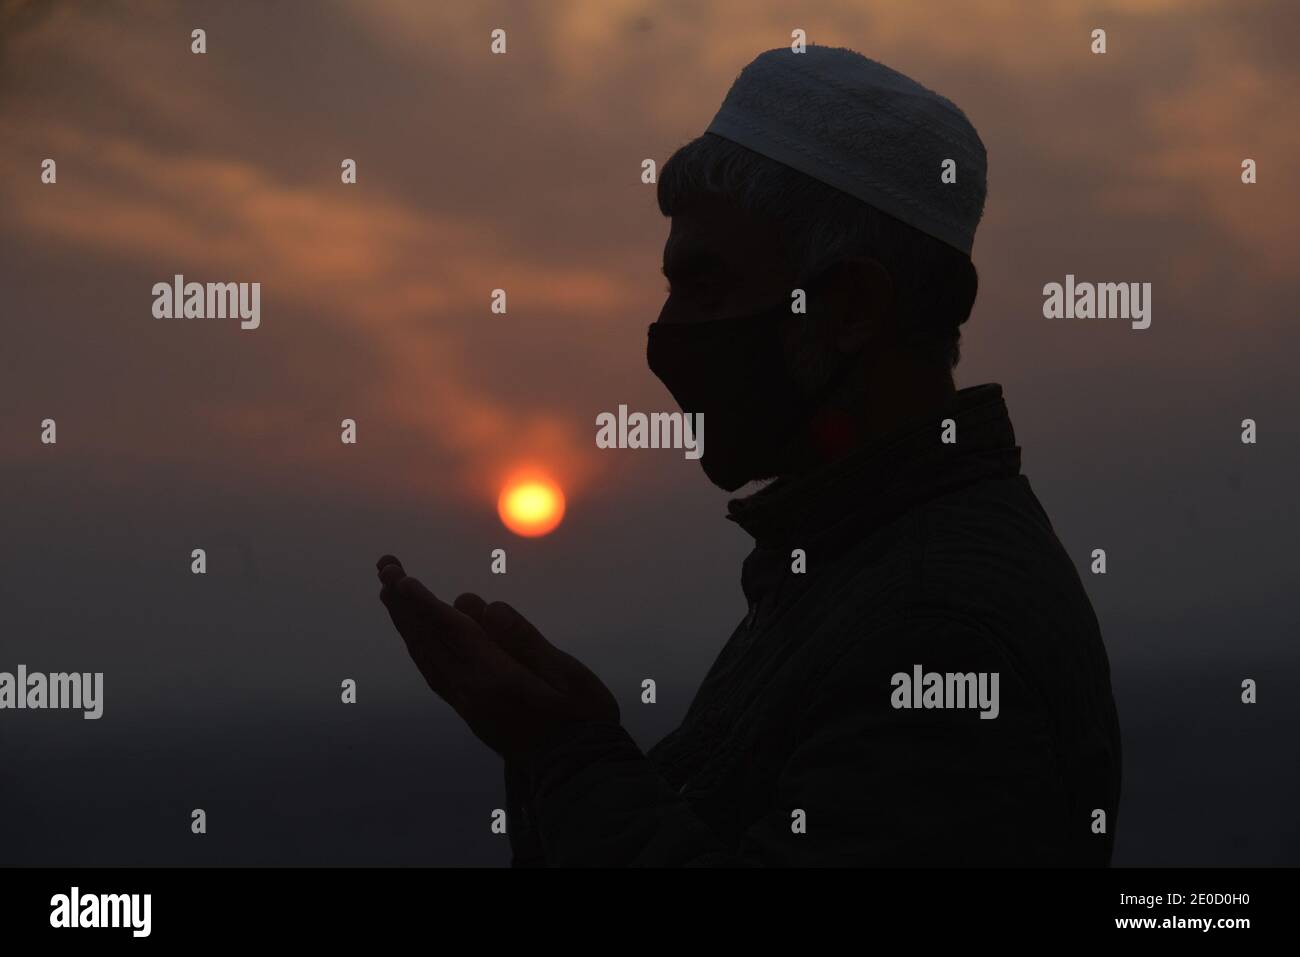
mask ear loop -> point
(814, 400)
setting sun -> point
(531, 506)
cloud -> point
(482, 172)
(380, 270)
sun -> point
(531, 505)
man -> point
(920, 679)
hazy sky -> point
(522, 172)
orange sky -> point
(522, 172)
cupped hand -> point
(511, 686)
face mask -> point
(734, 372)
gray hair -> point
(934, 283)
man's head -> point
(885, 297)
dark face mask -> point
(734, 372)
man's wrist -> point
(572, 743)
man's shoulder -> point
(995, 532)
(982, 561)
(977, 576)
(987, 543)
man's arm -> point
(877, 785)
(525, 848)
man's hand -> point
(513, 687)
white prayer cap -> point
(865, 129)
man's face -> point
(722, 262)
(725, 264)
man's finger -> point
(451, 626)
(471, 605)
(517, 636)
(432, 657)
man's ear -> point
(860, 296)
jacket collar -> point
(847, 499)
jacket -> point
(830, 731)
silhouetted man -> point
(920, 679)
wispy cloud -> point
(520, 172)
